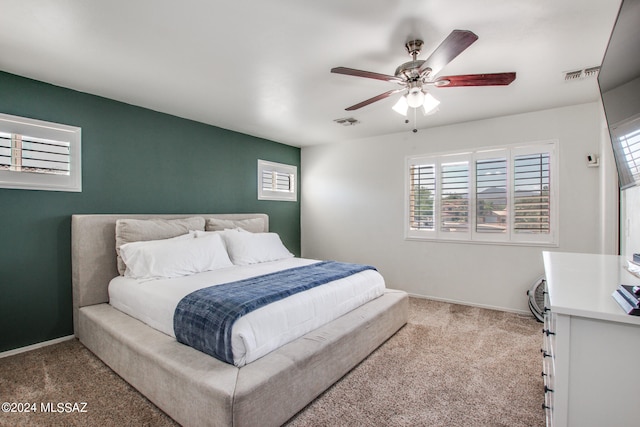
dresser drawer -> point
(548, 364)
(549, 334)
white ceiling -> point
(262, 67)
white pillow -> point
(252, 248)
(175, 257)
(130, 230)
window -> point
(37, 155)
(491, 195)
(454, 197)
(501, 194)
(531, 211)
(421, 196)
(277, 181)
(626, 148)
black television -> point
(619, 82)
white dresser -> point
(591, 347)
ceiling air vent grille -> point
(570, 76)
(347, 121)
(591, 72)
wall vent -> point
(591, 72)
(347, 121)
(570, 76)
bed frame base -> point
(197, 390)
(194, 388)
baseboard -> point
(35, 346)
(488, 307)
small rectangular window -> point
(37, 155)
(277, 181)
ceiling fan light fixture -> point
(415, 97)
(430, 104)
(401, 107)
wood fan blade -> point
(495, 79)
(374, 99)
(367, 74)
(452, 46)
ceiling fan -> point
(414, 76)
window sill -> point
(484, 242)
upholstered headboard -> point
(93, 252)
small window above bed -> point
(277, 181)
(38, 155)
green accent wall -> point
(134, 160)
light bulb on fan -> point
(415, 97)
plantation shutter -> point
(454, 197)
(531, 195)
(277, 181)
(422, 190)
(502, 194)
(5, 151)
(491, 195)
(21, 153)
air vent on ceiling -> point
(570, 76)
(347, 121)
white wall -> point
(353, 207)
(609, 193)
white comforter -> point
(263, 330)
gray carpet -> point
(451, 365)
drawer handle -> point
(545, 406)
(544, 353)
(548, 332)
(543, 374)
(547, 389)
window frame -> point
(290, 195)
(32, 128)
(510, 236)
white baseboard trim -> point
(35, 346)
(488, 307)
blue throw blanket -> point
(204, 318)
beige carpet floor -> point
(451, 365)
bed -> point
(192, 387)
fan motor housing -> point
(414, 47)
(411, 71)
